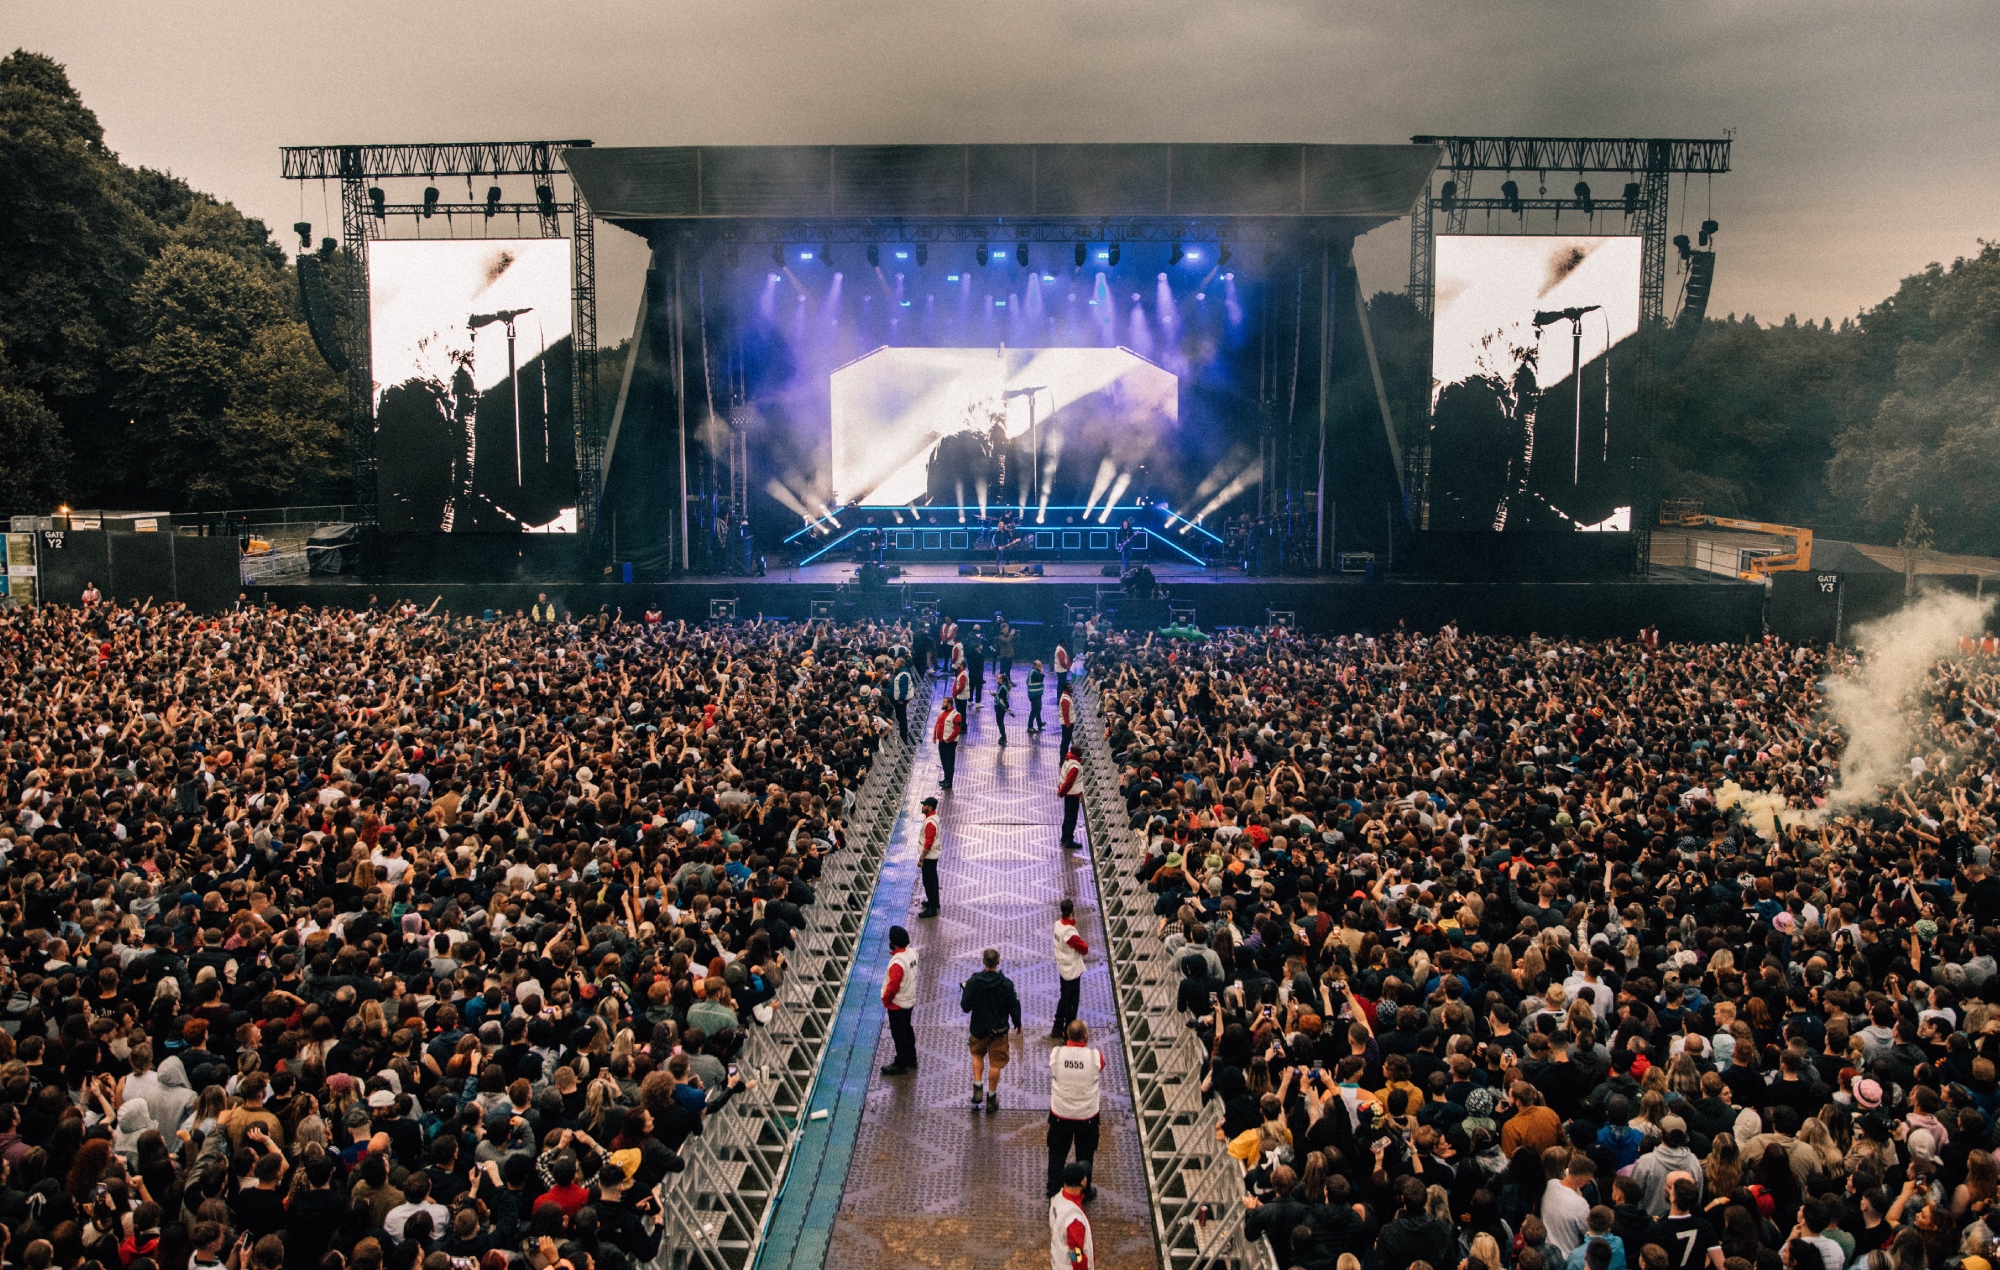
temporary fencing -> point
(717, 1209)
(1195, 1186)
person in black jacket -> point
(1415, 1235)
(990, 999)
(1277, 1217)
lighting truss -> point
(454, 158)
(1581, 154)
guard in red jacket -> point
(899, 999)
(1070, 786)
(930, 845)
(1066, 715)
(1070, 951)
(950, 727)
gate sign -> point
(1828, 583)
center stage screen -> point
(965, 427)
(1520, 439)
(470, 341)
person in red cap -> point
(1069, 785)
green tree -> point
(133, 307)
(283, 437)
(37, 462)
(1934, 439)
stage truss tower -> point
(1639, 207)
(365, 211)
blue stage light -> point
(1194, 255)
(805, 255)
(999, 304)
(902, 255)
(1048, 277)
(951, 277)
(1104, 255)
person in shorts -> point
(989, 997)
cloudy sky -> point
(1865, 144)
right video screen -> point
(1533, 378)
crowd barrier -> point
(1194, 1185)
(717, 1209)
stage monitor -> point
(1532, 382)
(1003, 429)
(470, 341)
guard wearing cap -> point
(930, 847)
(899, 998)
(1069, 785)
(1070, 1246)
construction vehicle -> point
(1686, 513)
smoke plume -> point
(1872, 707)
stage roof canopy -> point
(1367, 184)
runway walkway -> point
(922, 1179)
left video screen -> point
(471, 360)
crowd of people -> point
(389, 939)
(1528, 954)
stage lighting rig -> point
(1177, 255)
(1583, 199)
(777, 256)
(327, 248)
(874, 256)
(430, 201)
(304, 230)
(492, 201)
(1223, 256)
(730, 255)
(826, 254)
(982, 254)
(545, 197)
(1510, 194)
(1631, 198)
(1082, 254)
(923, 254)
(1448, 197)
(1708, 232)
(380, 200)
(1682, 245)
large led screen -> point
(470, 342)
(1531, 387)
(1002, 428)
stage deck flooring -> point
(931, 1182)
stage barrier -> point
(1194, 1185)
(717, 1209)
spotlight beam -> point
(1106, 470)
(1111, 500)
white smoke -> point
(1872, 707)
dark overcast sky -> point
(1865, 132)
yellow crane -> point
(1686, 513)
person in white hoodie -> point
(1671, 1156)
(167, 1094)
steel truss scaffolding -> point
(355, 167)
(1649, 164)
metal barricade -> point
(1193, 1184)
(716, 1210)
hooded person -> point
(170, 1099)
(134, 1120)
(1654, 1168)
